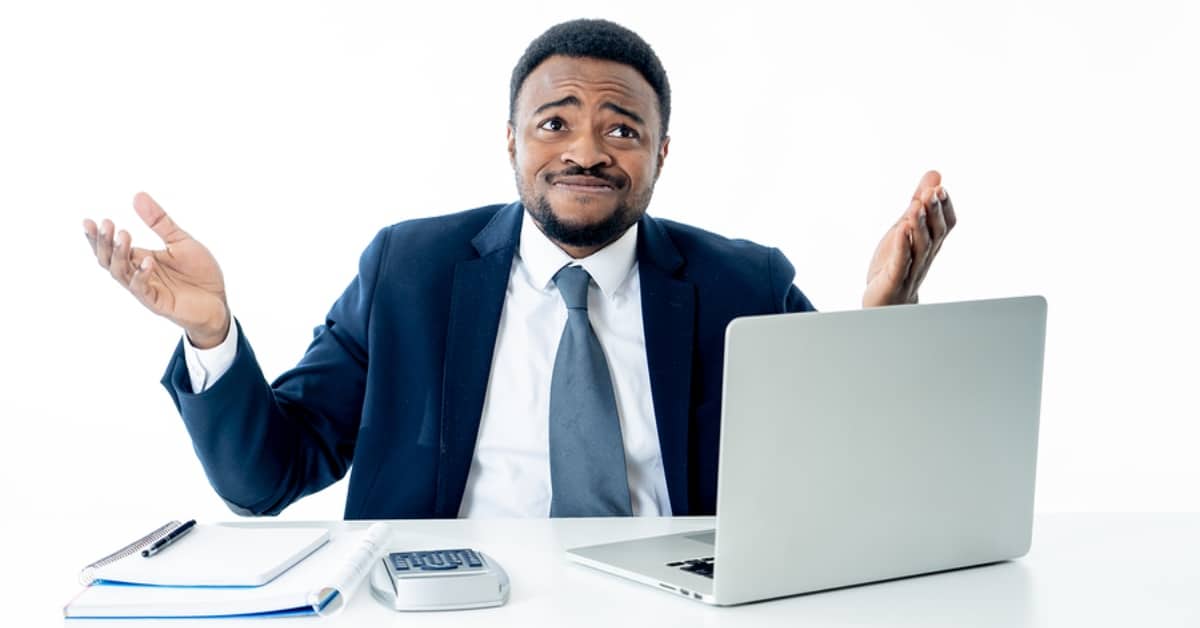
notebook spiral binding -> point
(87, 576)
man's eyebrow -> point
(574, 101)
(568, 100)
(623, 111)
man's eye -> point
(623, 132)
(553, 124)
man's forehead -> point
(559, 74)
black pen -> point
(168, 539)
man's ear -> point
(511, 134)
(662, 155)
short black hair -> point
(595, 39)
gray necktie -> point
(587, 455)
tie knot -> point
(572, 282)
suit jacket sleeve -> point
(790, 298)
(263, 446)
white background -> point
(283, 135)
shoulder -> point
(447, 237)
(462, 225)
(758, 277)
(699, 245)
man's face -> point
(586, 150)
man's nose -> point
(587, 151)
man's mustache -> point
(617, 181)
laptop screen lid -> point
(873, 444)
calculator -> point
(449, 579)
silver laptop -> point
(861, 446)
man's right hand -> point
(181, 282)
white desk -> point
(1088, 570)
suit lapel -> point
(476, 300)
(668, 317)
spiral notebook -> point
(315, 572)
(209, 555)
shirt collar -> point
(608, 267)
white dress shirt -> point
(510, 472)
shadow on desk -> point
(996, 594)
(1015, 570)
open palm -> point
(906, 251)
(181, 282)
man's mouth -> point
(583, 184)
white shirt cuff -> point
(206, 366)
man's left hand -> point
(908, 248)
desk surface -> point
(1084, 570)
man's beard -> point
(584, 235)
(594, 234)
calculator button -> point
(428, 567)
(435, 563)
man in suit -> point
(560, 355)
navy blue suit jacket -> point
(394, 381)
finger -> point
(948, 210)
(949, 219)
(89, 231)
(931, 180)
(911, 214)
(153, 215)
(921, 247)
(104, 243)
(937, 219)
(136, 255)
(119, 266)
(140, 283)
